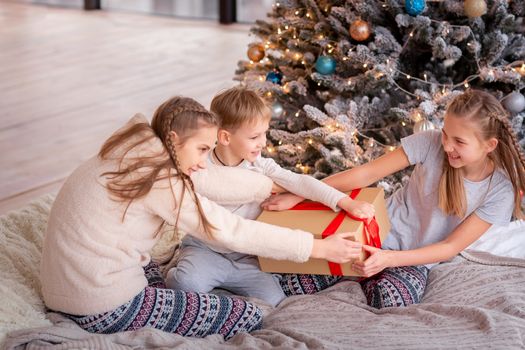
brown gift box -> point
(316, 221)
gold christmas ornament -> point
(256, 52)
(423, 125)
(475, 8)
(360, 30)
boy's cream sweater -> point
(92, 260)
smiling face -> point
(247, 142)
(192, 151)
(464, 148)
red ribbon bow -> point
(370, 228)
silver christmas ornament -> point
(423, 125)
(514, 102)
(277, 109)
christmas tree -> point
(348, 79)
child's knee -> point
(388, 291)
(182, 278)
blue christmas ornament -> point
(325, 65)
(275, 77)
(414, 7)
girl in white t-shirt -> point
(467, 177)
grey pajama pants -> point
(201, 269)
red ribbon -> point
(370, 228)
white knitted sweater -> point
(92, 261)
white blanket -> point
(452, 286)
(507, 241)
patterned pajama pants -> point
(397, 286)
(184, 313)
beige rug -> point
(21, 237)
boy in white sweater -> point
(244, 120)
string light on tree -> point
(475, 8)
(360, 30)
(414, 7)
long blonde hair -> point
(493, 122)
(180, 114)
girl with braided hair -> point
(96, 266)
(467, 177)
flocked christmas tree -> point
(348, 79)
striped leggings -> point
(184, 313)
(397, 286)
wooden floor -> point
(68, 78)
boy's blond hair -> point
(238, 106)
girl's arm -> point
(465, 234)
(232, 186)
(345, 181)
(242, 235)
(366, 174)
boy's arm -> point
(231, 186)
(301, 185)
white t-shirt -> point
(415, 216)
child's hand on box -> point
(378, 260)
(337, 248)
(280, 202)
(355, 208)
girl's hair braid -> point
(492, 121)
(182, 115)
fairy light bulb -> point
(521, 70)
